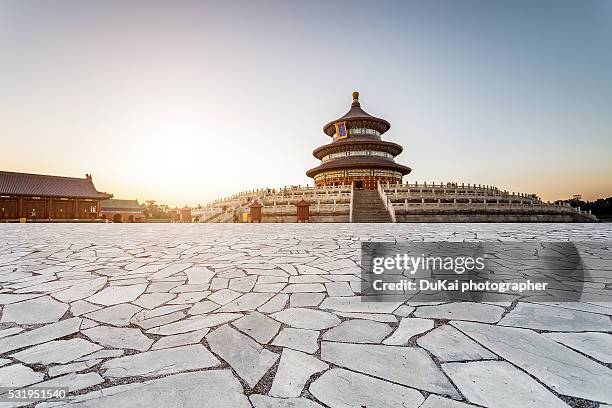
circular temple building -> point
(357, 156)
(358, 180)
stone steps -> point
(368, 207)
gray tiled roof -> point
(41, 185)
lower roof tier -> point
(358, 162)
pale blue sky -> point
(186, 101)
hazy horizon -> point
(185, 102)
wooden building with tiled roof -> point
(42, 197)
(119, 210)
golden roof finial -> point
(355, 96)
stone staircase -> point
(369, 207)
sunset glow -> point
(187, 104)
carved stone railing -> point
(351, 205)
(387, 201)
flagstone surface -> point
(245, 315)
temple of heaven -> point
(358, 180)
(357, 156)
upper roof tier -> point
(356, 114)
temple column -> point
(50, 208)
(20, 208)
(75, 209)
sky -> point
(187, 101)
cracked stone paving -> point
(269, 316)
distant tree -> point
(154, 210)
(601, 208)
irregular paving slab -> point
(117, 315)
(340, 388)
(298, 339)
(263, 401)
(203, 307)
(58, 352)
(408, 328)
(275, 304)
(307, 318)
(377, 317)
(476, 312)
(449, 344)
(404, 365)
(358, 331)
(114, 295)
(224, 296)
(180, 339)
(435, 401)
(10, 331)
(249, 359)
(41, 335)
(169, 271)
(102, 354)
(219, 388)
(188, 297)
(339, 289)
(294, 370)
(404, 311)
(119, 337)
(80, 307)
(8, 298)
(248, 301)
(158, 311)
(194, 323)
(544, 317)
(557, 366)
(153, 300)
(596, 345)
(500, 384)
(244, 284)
(304, 287)
(218, 283)
(80, 290)
(39, 310)
(258, 326)
(355, 304)
(18, 375)
(269, 287)
(72, 381)
(199, 275)
(306, 299)
(162, 320)
(160, 362)
(71, 368)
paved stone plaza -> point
(268, 316)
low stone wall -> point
(452, 202)
(322, 218)
(487, 216)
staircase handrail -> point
(351, 205)
(386, 201)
